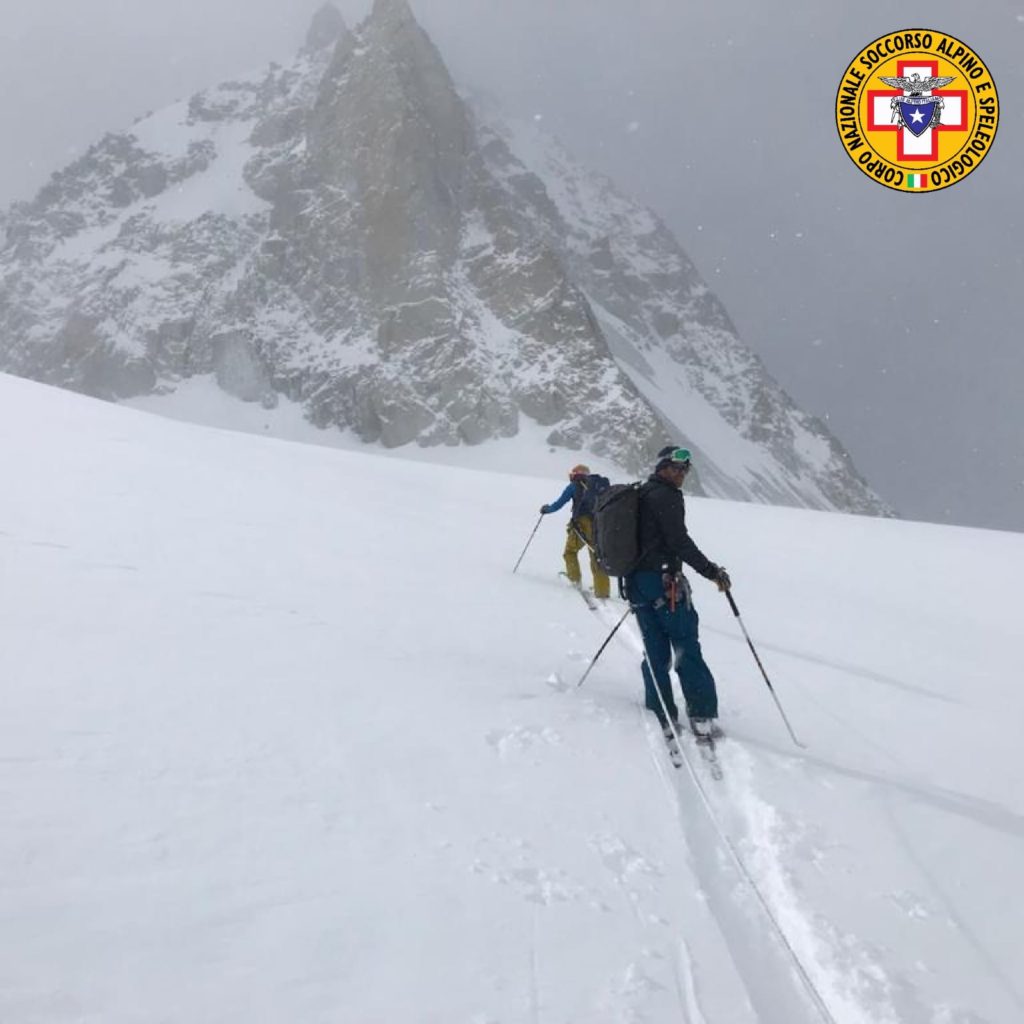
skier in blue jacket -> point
(582, 490)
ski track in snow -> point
(841, 667)
(777, 994)
(984, 958)
(813, 979)
(749, 938)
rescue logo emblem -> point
(917, 110)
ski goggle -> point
(678, 458)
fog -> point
(891, 316)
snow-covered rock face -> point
(347, 232)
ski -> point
(709, 755)
(675, 755)
(590, 602)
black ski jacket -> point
(664, 541)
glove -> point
(722, 579)
(544, 510)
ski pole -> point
(600, 650)
(528, 543)
(771, 689)
(575, 530)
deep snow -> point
(283, 739)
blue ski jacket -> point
(567, 495)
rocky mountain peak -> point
(344, 232)
(390, 135)
(390, 36)
(392, 13)
(326, 28)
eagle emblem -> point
(917, 109)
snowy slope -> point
(285, 740)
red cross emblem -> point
(923, 147)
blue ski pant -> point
(671, 641)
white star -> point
(917, 117)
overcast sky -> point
(892, 316)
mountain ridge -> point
(347, 232)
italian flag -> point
(917, 180)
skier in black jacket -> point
(660, 596)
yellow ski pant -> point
(581, 535)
